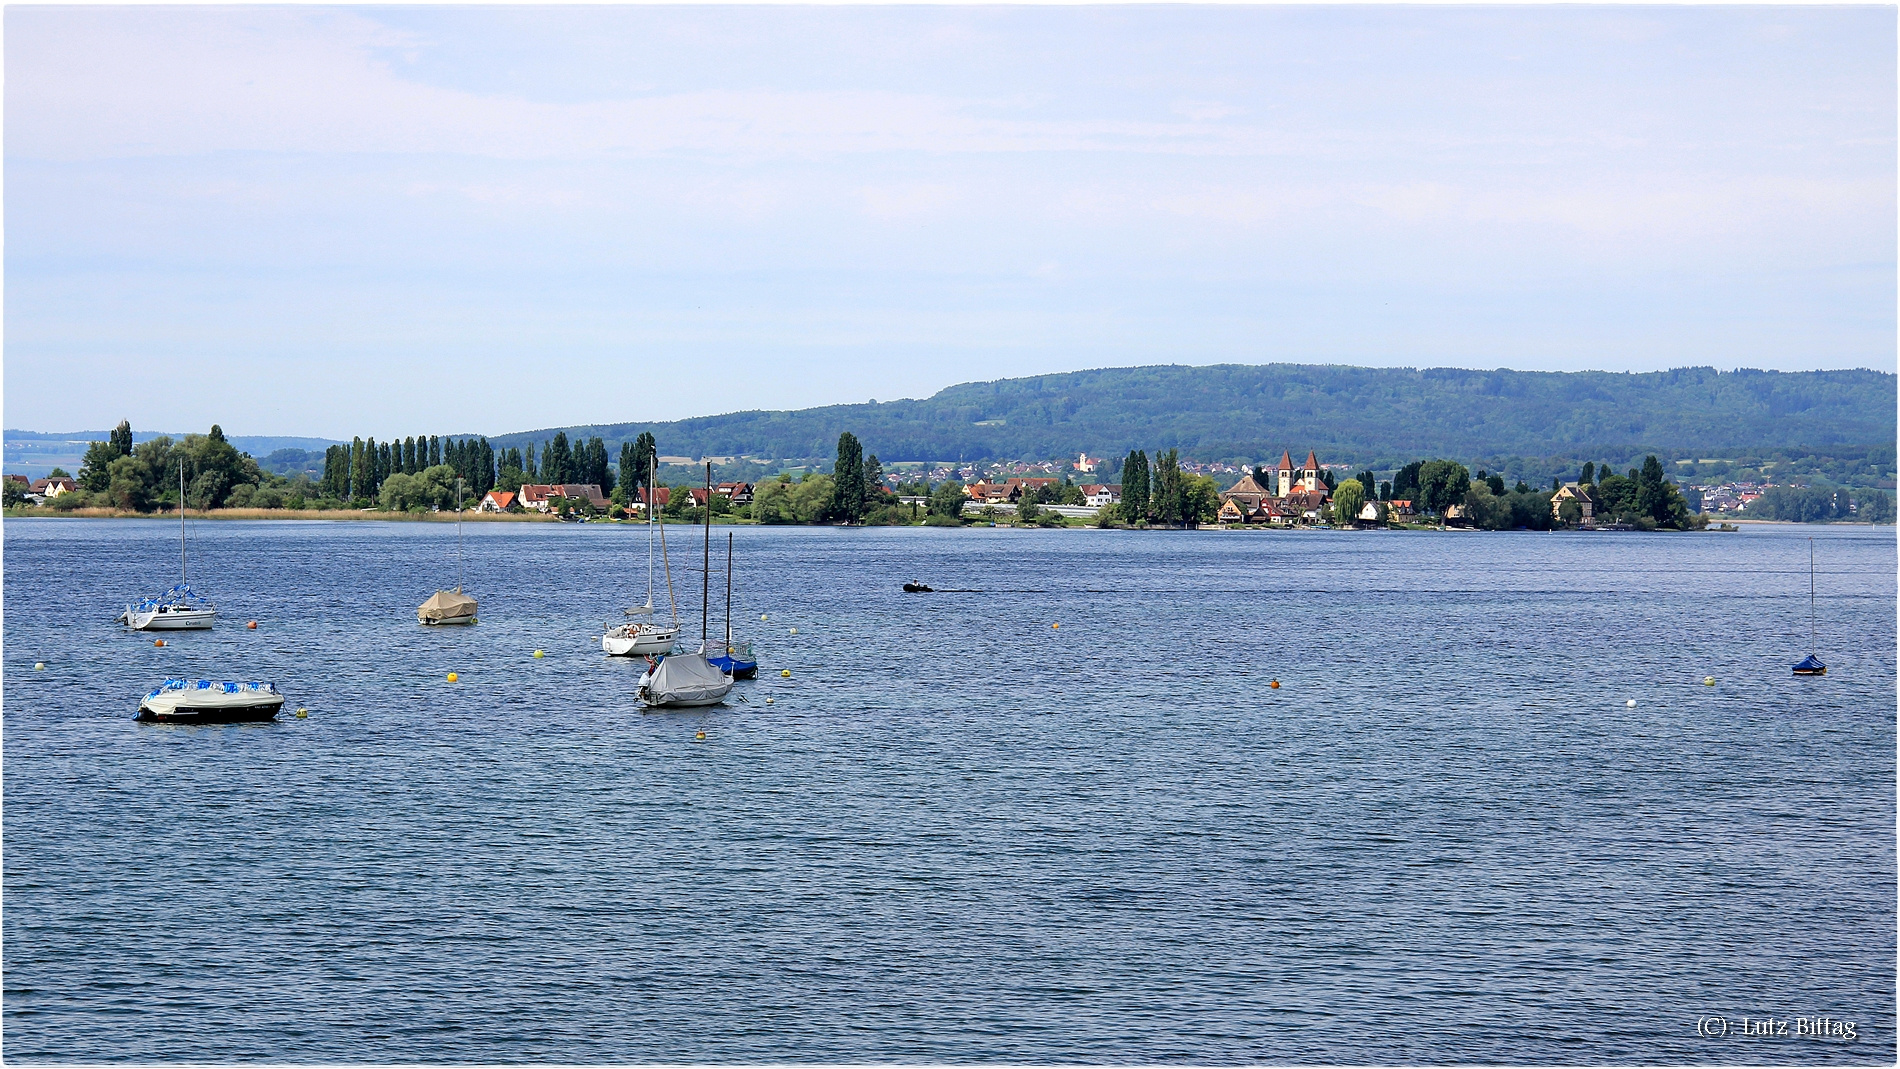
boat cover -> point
(446, 605)
(1810, 663)
(685, 679)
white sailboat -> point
(684, 679)
(177, 609)
(649, 637)
(446, 607)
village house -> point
(737, 493)
(496, 501)
(986, 493)
(1573, 492)
(53, 487)
(541, 496)
(1015, 488)
(658, 494)
(1096, 495)
(1084, 462)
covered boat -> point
(736, 660)
(209, 701)
(1810, 666)
(447, 607)
(682, 679)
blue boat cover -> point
(1810, 663)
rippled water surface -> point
(959, 832)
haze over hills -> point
(1379, 417)
(1353, 415)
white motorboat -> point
(177, 609)
(208, 701)
(450, 606)
(649, 637)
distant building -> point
(497, 501)
(737, 493)
(541, 496)
(1096, 495)
(1571, 492)
(1084, 462)
(53, 487)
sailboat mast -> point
(184, 576)
(458, 536)
(666, 559)
(728, 589)
(705, 572)
(649, 511)
(1810, 593)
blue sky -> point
(335, 221)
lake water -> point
(958, 832)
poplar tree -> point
(557, 460)
(488, 466)
(528, 470)
(359, 469)
(435, 451)
(121, 440)
(873, 478)
(1135, 487)
(847, 480)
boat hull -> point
(735, 667)
(171, 620)
(453, 621)
(189, 709)
(639, 642)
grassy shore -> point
(284, 514)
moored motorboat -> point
(209, 701)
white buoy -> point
(1631, 703)
(39, 666)
(768, 701)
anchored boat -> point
(207, 701)
(648, 637)
(690, 678)
(177, 609)
(450, 606)
(1810, 665)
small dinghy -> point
(210, 701)
(917, 588)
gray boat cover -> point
(446, 605)
(685, 679)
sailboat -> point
(450, 606)
(177, 609)
(690, 678)
(736, 660)
(1810, 665)
(645, 638)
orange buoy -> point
(158, 642)
(1275, 684)
(252, 625)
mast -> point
(728, 589)
(1810, 594)
(666, 559)
(649, 512)
(458, 535)
(183, 575)
(705, 572)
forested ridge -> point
(1349, 414)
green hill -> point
(1349, 414)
